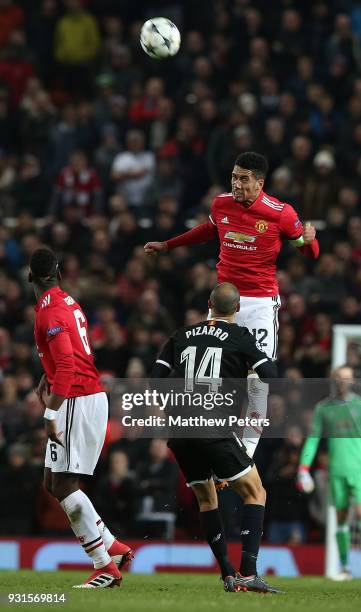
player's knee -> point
(256, 494)
(57, 491)
(207, 506)
(251, 491)
(262, 495)
(207, 499)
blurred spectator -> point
(19, 484)
(156, 481)
(287, 507)
(133, 170)
(11, 18)
(63, 139)
(78, 184)
(15, 66)
(41, 36)
(146, 109)
(31, 190)
(76, 45)
(114, 494)
(320, 190)
(7, 180)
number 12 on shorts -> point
(260, 335)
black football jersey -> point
(214, 349)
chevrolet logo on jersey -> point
(238, 237)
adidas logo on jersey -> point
(224, 220)
(46, 301)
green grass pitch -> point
(179, 593)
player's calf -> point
(211, 521)
(257, 409)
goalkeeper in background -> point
(338, 418)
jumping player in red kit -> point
(76, 416)
(251, 226)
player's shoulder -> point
(354, 398)
(273, 203)
(241, 332)
(223, 198)
(54, 305)
(324, 404)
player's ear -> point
(58, 273)
(238, 307)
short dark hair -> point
(225, 299)
(255, 162)
(43, 264)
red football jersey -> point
(250, 241)
(62, 342)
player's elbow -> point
(267, 370)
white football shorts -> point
(81, 425)
(260, 316)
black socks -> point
(251, 534)
(213, 529)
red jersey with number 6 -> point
(63, 345)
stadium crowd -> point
(103, 149)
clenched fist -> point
(152, 248)
(309, 233)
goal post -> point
(342, 335)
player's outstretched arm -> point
(152, 248)
(201, 233)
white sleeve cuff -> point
(255, 365)
(165, 363)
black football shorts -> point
(200, 459)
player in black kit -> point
(214, 350)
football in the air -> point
(160, 38)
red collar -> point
(52, 291)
